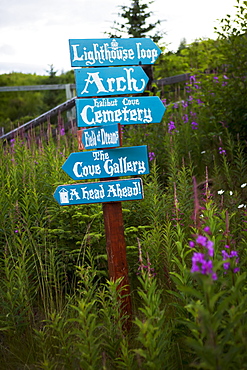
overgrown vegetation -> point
(186, 247)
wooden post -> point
(116, 253)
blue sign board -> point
(112, 52)
(127, 111)
(115, 162)
(101, 137)
(99, 192)
(110, 81)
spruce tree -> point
(135, 22)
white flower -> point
(203, 152)
(242, 206)
(230, 192)
(243, 185)
(220, 192)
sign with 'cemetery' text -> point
(125, 110)
(112, 52)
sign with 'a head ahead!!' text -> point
(112, 52)
(99, 192)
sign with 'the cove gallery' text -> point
(115, 162)
(112, 52)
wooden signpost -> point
(100, 114)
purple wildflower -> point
(171, 126)
(222, 151)
(207, 230)
(185, 118)
(226, 256)
(62, 131)
(151, 156)
(202, 265)
(193, 78)
(202, 262)
(191, 244)
(194, 125)
(164, 101)
(175, 105)
(202, 240)
(184, 104)
(199, 101)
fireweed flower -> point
(171, 126)
(194, 125)
(151, 156)
(185, 118)
(227, 257)
(222, 151)
(62, 131)
(202, 262)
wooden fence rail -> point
(70, 103)
(41, 119)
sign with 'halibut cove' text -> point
(112, 52)
(115, 162)
(110, 81)
(126, 111)
(97, 192)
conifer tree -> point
(135, 22)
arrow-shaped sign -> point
(110, 81)
(116, 162)
(112, 52)
(99, 192)
(127, 111)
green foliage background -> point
(59, 310)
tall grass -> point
(58, 308)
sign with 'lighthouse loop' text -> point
(112, 52)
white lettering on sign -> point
(146, 53)
(111, 167)
(93, 193)
(102, 138)
(111, 84)
(91, 116)
(115, 190)
(81, 170)
(112, 191)
(102, 53)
